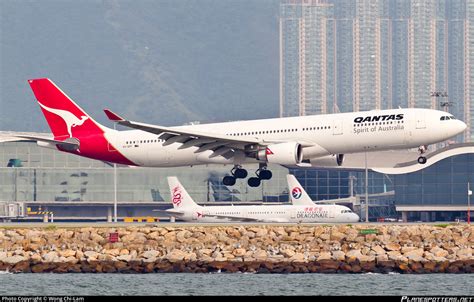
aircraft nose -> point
(462, 126)
(354, 217)
(456, 128)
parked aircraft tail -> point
(298, 195)
(179, 197)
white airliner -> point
(303, 210)
(291, 141)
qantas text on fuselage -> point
(378, 118)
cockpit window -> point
(346, 211)
(445, 118)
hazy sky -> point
(164, 61)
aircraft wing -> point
(219, 144)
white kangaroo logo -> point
(70, 119)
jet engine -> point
(290, 153)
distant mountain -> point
(167, 62)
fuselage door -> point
(332, 213)
(420, 120)
(293, 214)
(112, 142)
(337, 127)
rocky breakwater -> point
(263, 249)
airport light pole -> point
(366, 189)
(115, 189)
(469, 193)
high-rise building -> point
(344, 14)
(400, 15)
(307, 61)
(469, 70)
(422, 54)
(455, 61)
(354, 55)
(372, 49)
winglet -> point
(113, 117)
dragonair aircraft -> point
(302, 210)
(290, 141)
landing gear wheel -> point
(254, 181)
(240, 173)
(422, 160)
(265, 174)
(229, 180)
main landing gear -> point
(421, 158)
(237, 172)
(262, 174)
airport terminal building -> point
(439, 191)
(79, 188)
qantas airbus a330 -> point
(291, 141)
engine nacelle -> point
(283, 154)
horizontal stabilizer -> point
(70, 144)
(169, 212)
(47, 140)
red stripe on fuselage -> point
(97, 147)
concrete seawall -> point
(263, 249)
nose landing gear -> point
(421, 159)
